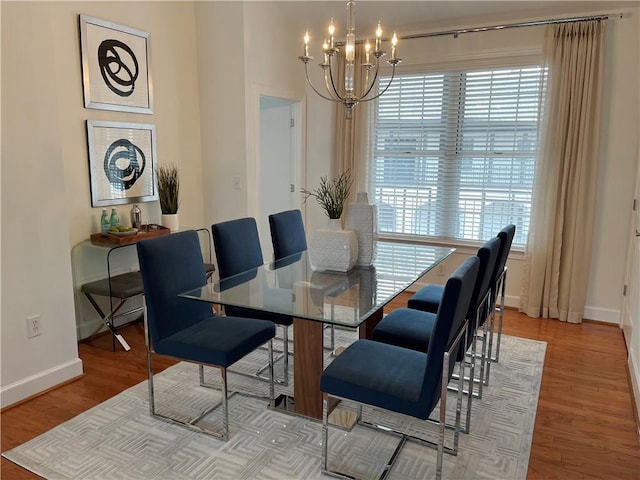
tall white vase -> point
(362, 218)
(333, 248)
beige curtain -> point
(351, 146)
(556, 270)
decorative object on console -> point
(362, 219)
(169, 193)
(348, 95)
(115, 67)
(121, 162)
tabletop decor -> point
(333, 248)
(121, 162)
(362, 218)
(169, 193)
(115, 67)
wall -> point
(46, 202)
(232, 78)
(221, 78)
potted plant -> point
(332, 194)
(169, 193)
(333, 248)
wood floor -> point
(585, 428)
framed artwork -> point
(115, 67)
(122, 162)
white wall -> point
(46, 202)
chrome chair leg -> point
(225, 405)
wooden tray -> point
(109, 240)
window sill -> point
(462, 247)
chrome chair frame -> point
(192, 424)
(404, 437)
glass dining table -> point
(315, 298)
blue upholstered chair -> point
(189, 330)
(498, 286)
(403, 380)
(237, 247)
(288, 238)
(287, 234)
(412, 327)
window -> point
(454, 153)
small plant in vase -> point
(333, 248)
(169, 193)
(331, 195)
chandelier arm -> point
(373, 82)
(333, 91)
(306, 72)
(393, 73)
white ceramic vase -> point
(362, 218)
(170, 220)
(333, 248)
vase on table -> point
(170, 220)
(333, 248)
(362, 218)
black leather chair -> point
(238, 250)
(403, 380)
(189, 330)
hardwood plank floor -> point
(585, 428)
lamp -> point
(348, 95)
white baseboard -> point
(27, 387)
(634, 373)
(606, 315)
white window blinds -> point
(454, 153)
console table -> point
(109, 269)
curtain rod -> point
(535, 23)
(550, 21)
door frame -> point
(253, 143)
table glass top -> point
(293, 287)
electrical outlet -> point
(236, 182)
(33, 326)
(440, 270)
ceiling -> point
(412, 16)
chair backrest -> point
(237, 246)
(287, 233)
(449, 320)
(170, 265)
(488, 256)
(506, 238)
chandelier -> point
(347, 95)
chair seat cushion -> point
(216, 340)
(427, 298)
(259, 314)
(406, 327)
(380, 375)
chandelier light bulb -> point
(348, 94)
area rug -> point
(118, 439)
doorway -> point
(280, 162)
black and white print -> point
(115, 67)
(121, 162)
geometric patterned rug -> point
(118, 439)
